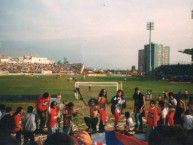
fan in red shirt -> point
(42, 105)
(52, 118)
(17, 124)
(152, 118)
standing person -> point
(186, 94)
(180, 109)
(165, 93)
(190, 105)
(152, 118)
(172, 103)
(118, 102)
(163, 120)
(129, 124)
(42, 105)
(17, 124)
(60, 107)
(6, 123)
(102, 100)
(139, 108)
(68, 114)
(52, 118)
(29, 125)
(92, 121)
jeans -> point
(28, 135)
(138, 120)
(52, 130)
(67, 129)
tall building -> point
(159, 56)
(141, 62)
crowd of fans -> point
(38, 68)
(181, 73)
(170, 113)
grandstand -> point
(37, 68)
(188, 51)
(178, 72)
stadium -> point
(30, 74)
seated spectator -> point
(188, 120)
(129, 124)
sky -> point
(97, 33)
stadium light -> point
(150, 26)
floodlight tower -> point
(150, 26)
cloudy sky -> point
(98, 33)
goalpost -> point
(116, 85)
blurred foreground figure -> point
(170, 135)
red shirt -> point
(17, 123)
(52, 117)
(152, 117)
(42, 103)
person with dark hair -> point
(180, 109)
(163, 119)
(92, 121)
(152, 118)
(172, 103)
(170, 135)
(139, 108)
(102, 100)
(42, 105)
(6, 123)
(17, 124)
(190, 105)
(118, 103)
(29, 125)
(59, 138)
(129, 124)
(68, 114)
(52, 118)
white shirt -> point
(164, 112)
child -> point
(29, 125)
(52, 118)
(92, 121)
(164, 114)
(129, 126)
(68, 113)
(152, 117)
(17, 124)
(172, 103)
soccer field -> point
(33, 85)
